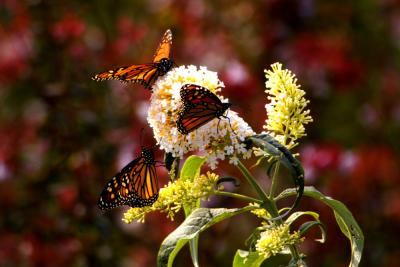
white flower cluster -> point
(217, 139)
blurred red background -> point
(63, 136)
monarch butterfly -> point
(147, 73)
(135, 185)
(200, 106)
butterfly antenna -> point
(230, 125)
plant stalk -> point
(274, 182)
(238, 196)
(268, 202)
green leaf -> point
(281, 153)
(191, 167)
(198, 221)
(245, 258)
(190, 170)
(305, 227)
(348, 225)
(296, 215)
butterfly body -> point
(147, 73)
(135, 185)
(200, 106)
(164, 66)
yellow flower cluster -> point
(275, 240)
(175, 195)
(260, 213)
(287, 113)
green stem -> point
(274, 183)
(268, 203)
(292, 248)
(252, 181)
(238, 196)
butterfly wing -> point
(164, 47)
(199, 107)
(144, 74)
(144, 184)
(135, 185)
(111, 196)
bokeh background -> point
(63, 136)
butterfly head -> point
(148, 155)
(224, 108)
(164, 65)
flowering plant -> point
(231, 138)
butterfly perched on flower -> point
(135, 185)
(147, 73)
(199, 106)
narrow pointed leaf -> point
(198, 221)
(305, 227)
(190, 170)
(348, 225)
(281, 153)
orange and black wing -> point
(144, 74)
(119, 189)
(144, 184)
(164, 47)
(199, 106)
(109, 197)
(135, 185)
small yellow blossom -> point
(175, 195)
(275, 240)
(260, 213)
(219, 139)
(287, 113)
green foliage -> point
(198, 221)
(189, 171)
(245, 258)
(305, 227)
(348, 225)
(272, 147)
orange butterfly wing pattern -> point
(164, 47)
(144, 74)
(135, 185)
(200, 106)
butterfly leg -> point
(229, 120)
(219, 120)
